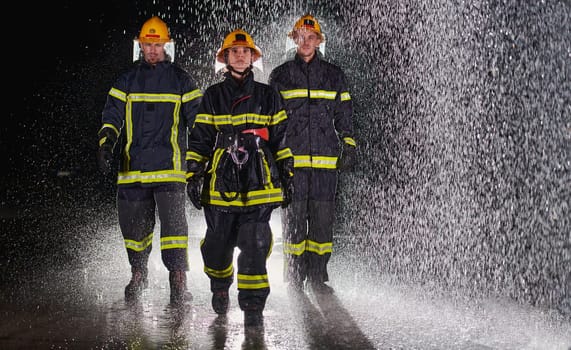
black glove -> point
(286, 177)
(107, 140)
(193, 189)
(348, 158)
(104, 157)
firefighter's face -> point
(239, 57)
(153, 52)
(306, 41)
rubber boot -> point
(179, 293)
(321, 288)
(220, 301)
(138, 282)
(253, 318)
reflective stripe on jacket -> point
(151, 107)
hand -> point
(104, 157)
(348, 158)
(193, 187)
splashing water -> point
(462, 114)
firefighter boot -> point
(179, 293)
(253, 318)
(138, 282)
(220, 301)
(319, 287)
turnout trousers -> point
(250, 232)
(137, 207)
(307, 226)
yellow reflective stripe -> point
(189, 96)
(176, 152)
(304, 93)
(227, 272)
(253, 281)
(294, 249)
(128, 177)
(297, 93)
(204, 118)
(172, 242)
(128, 134)
(239, 119)
(328, 95)
(142, 97)
(118, 94)
(321, 162)
(350, 141)
(345, 96)
(267, 196)
(266, 166)
(301, 161)
(324, 162)
(215, 163)
(284, 153)
(111, 126)
(319, 248)
(278, 117)
(139, 246)
(191, 155)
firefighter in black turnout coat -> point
(320, 133)
(237, 162)
(146, 119)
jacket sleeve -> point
(344, 111)
(191, 98)
(202, 136)
(113, 115)
(278, 126)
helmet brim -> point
(256, 55)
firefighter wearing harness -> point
(146, 119)
(238, 168)
(320, 134)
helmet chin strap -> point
(242, 74)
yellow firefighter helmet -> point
(238, 37)
(307, 22)
(154, 31)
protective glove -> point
(348, 158)
(193, 189)
(286, 177)
(194, 182)
(104, 157)
(107, 140)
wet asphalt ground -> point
(63, 271)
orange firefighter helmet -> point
(307, 22)
(154, 30)
(238, 37)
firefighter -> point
(150, 109)
(320, 133)
(239, 170)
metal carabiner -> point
(238, 153)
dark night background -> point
(63, 66)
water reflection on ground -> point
(62, 288)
